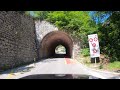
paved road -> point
(52, 67)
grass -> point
(114, 65)
(85, 52)
(109, 66)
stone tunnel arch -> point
(52, 40)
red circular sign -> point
(90, 39)
(94, 50)
(95, 39)
(94, 45)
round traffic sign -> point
(95, 39)
(94, 50)
(94, 45)
(90, 39)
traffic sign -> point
(94, 51)
(94, 45)
(90, 40)
(95, 39)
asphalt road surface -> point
(56, 68)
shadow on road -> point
(58, 76)
(47, 76)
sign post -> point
(95, 61)
(94, 46)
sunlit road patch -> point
(16, 72)
(70, 61)
(10, 75)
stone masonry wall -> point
(76, 47)
(17, 40)
(20, 39)
(43, 28)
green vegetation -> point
(77, 23)
(80, 24)
(114, 65)
(101, 66)
(85, 52)
(109, 36)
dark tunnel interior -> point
(54, 45)
(52, 40)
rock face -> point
(17, 39)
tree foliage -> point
(78, 23)
(109, 34)
(41, 15)
(75, 21)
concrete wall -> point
(17, 39)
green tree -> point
(109, 33)
(77, 23)
(41, 15)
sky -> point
(102, 20)
(31, 13)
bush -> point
(85, 52)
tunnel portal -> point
(51, 41)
